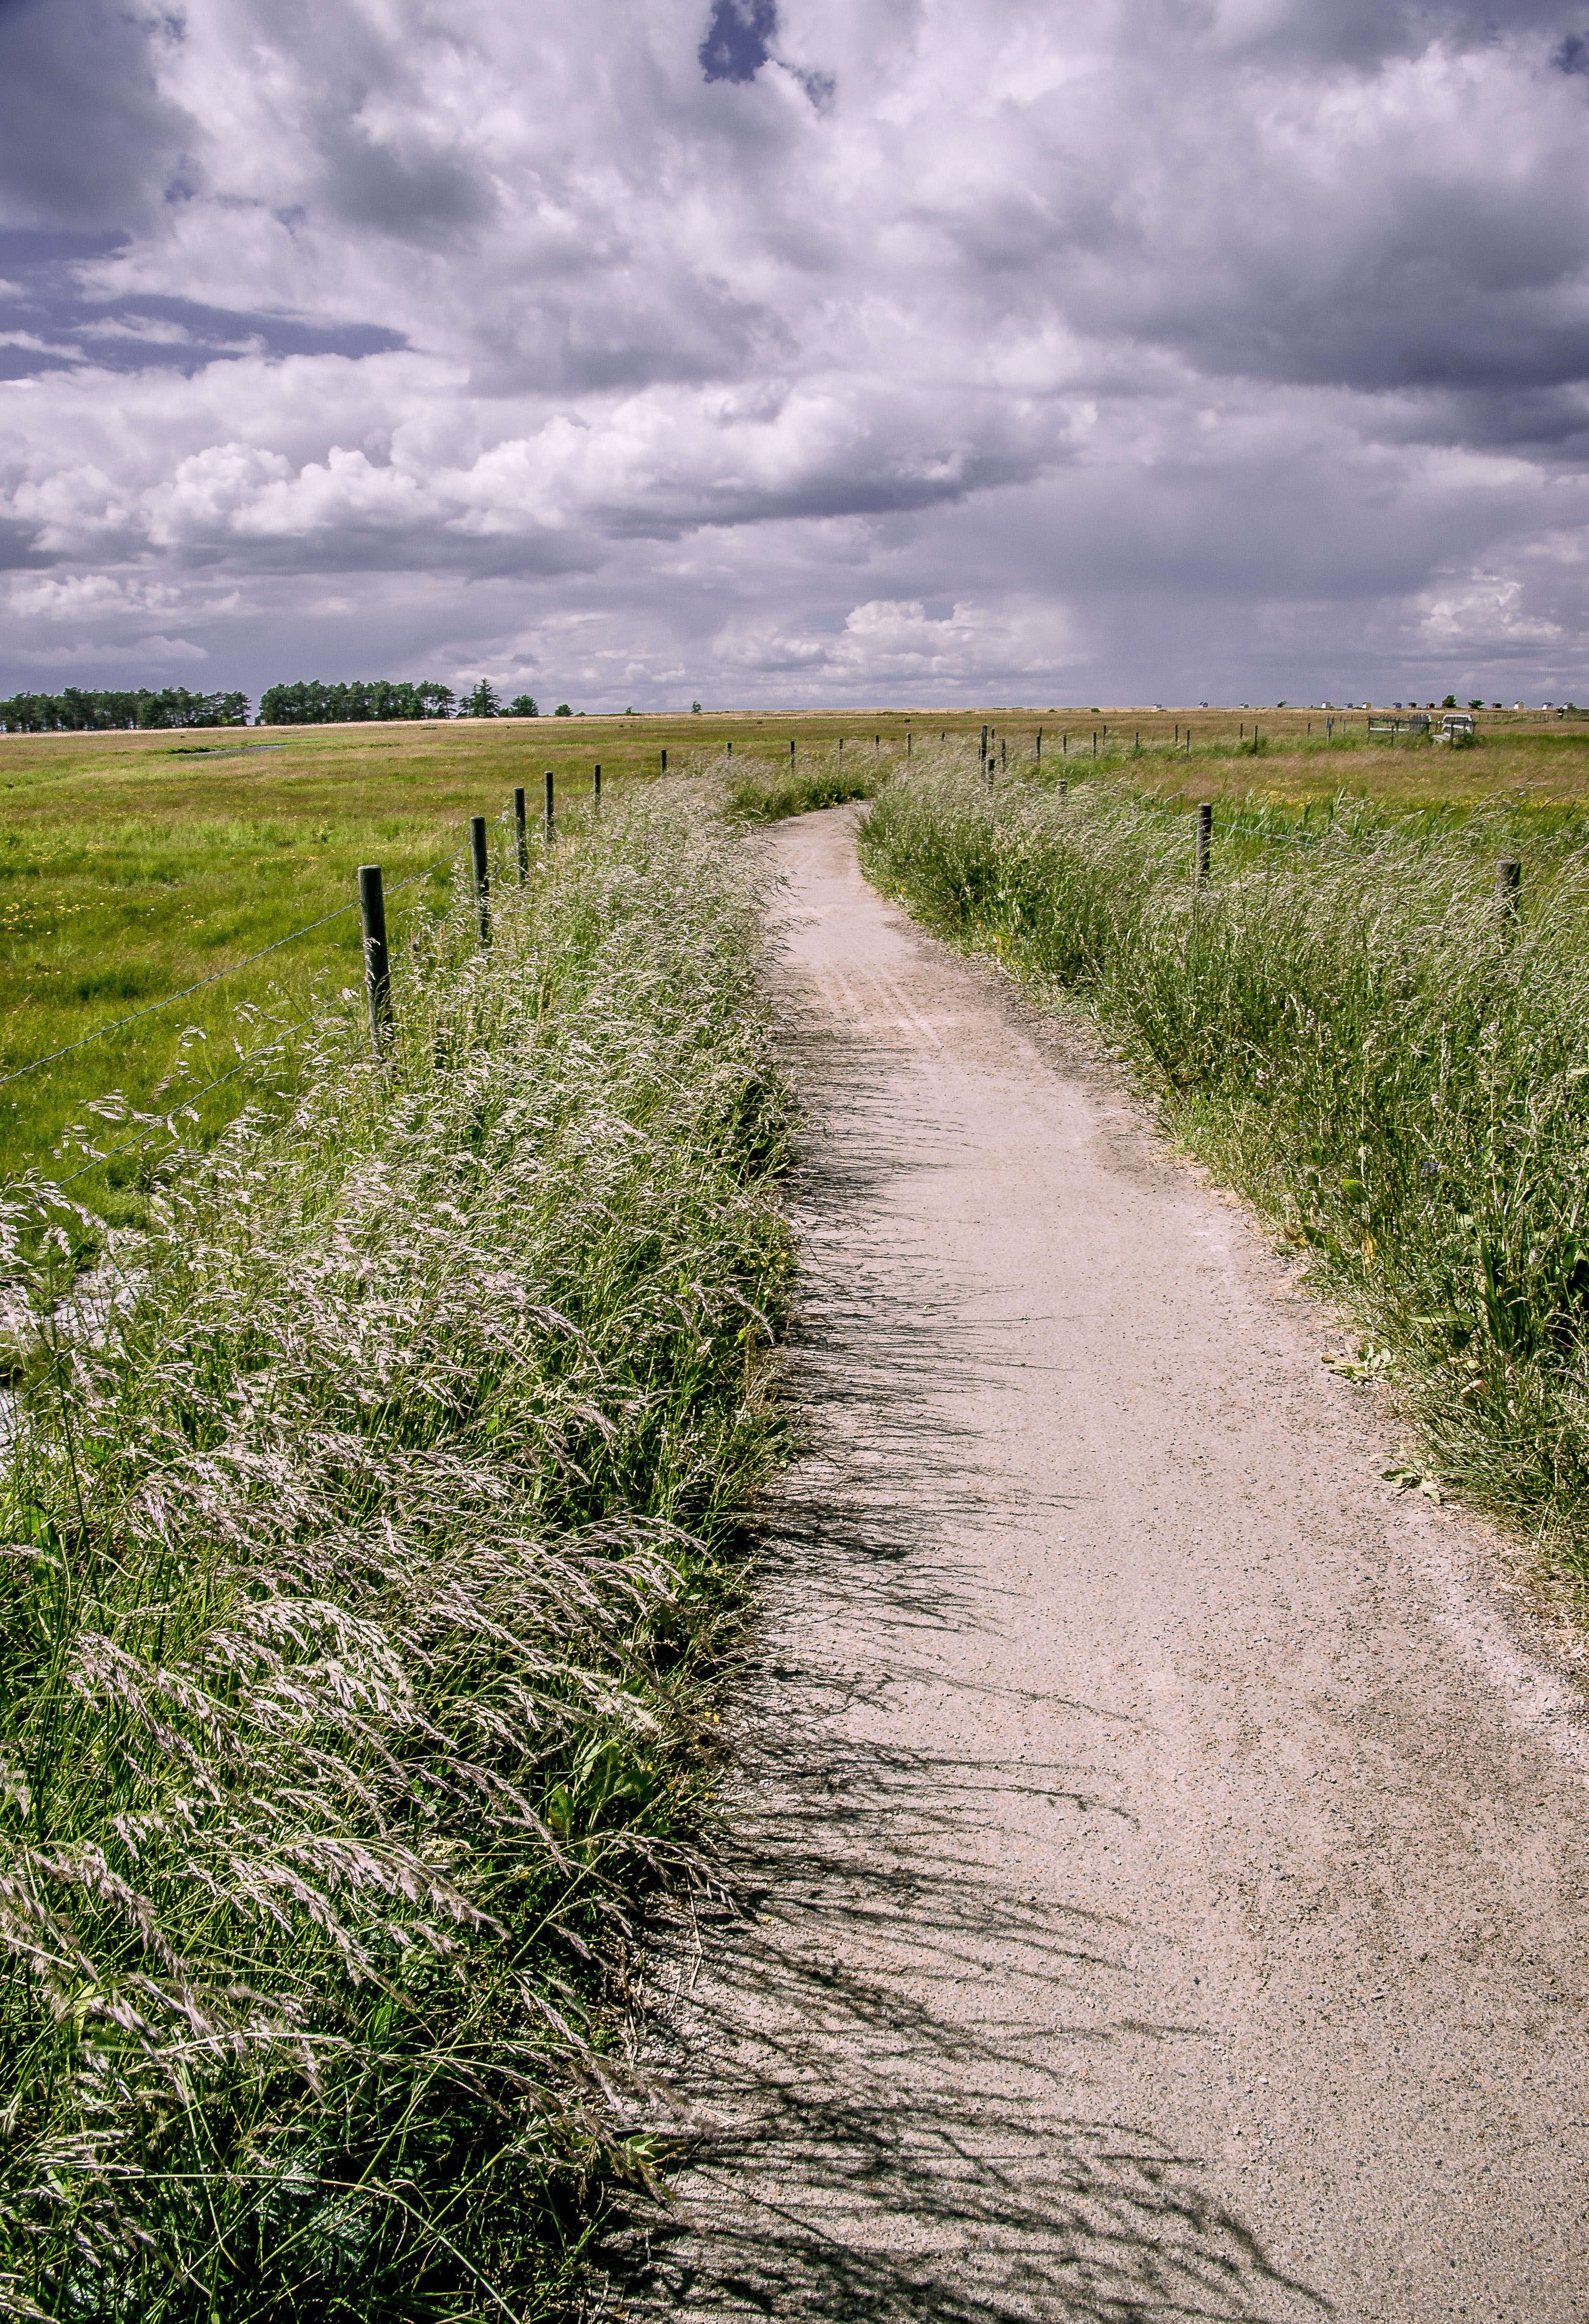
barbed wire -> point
(170, 1000)
(190, 1097)
(154, 1129)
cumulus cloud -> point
(1145, 349)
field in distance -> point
(134, 865)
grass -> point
(134, 865)
(371, 1523)
(1346, 1025)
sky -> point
(798, 352)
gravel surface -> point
(1165, 1872)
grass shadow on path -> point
(874, 2054)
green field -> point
(135, 866)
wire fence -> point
(162, 1124)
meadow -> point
(375, 1511)
(134, 866)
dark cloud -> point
(89, 138)
(410, 187)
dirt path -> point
(1171, 1878)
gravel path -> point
(1168, 1874)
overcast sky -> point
(862, 351)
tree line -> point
(77, 710)
(309, 702)
(306, 702)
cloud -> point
(801, 347)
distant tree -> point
(522, 705)
(695, 705)
(1477, 703)
(77, 711)
(562, 711)
(483, 702)
(312, 702)
(1449, 703)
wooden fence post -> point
(1205, 838)
(549, 807)
(1509, 874)
(521, 836)
(371, 912)
(596, 788)
(481, 878)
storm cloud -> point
(1129, 350)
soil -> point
(1160, 1859)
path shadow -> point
(854, 2144)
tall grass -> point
(1354, 1033)
(366, 1545)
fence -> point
(370, 899)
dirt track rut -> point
(1170, 1875)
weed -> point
(369, 1538)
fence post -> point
(519, 836)
(981, 756)
(372, 911)
(1004, 758)
(1508, 873)
(596, 788)
(791, 752)
(1204, 836)
(907, 742)
(664, 761)
(549, 807)
(481, 878)
(1040, 746)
